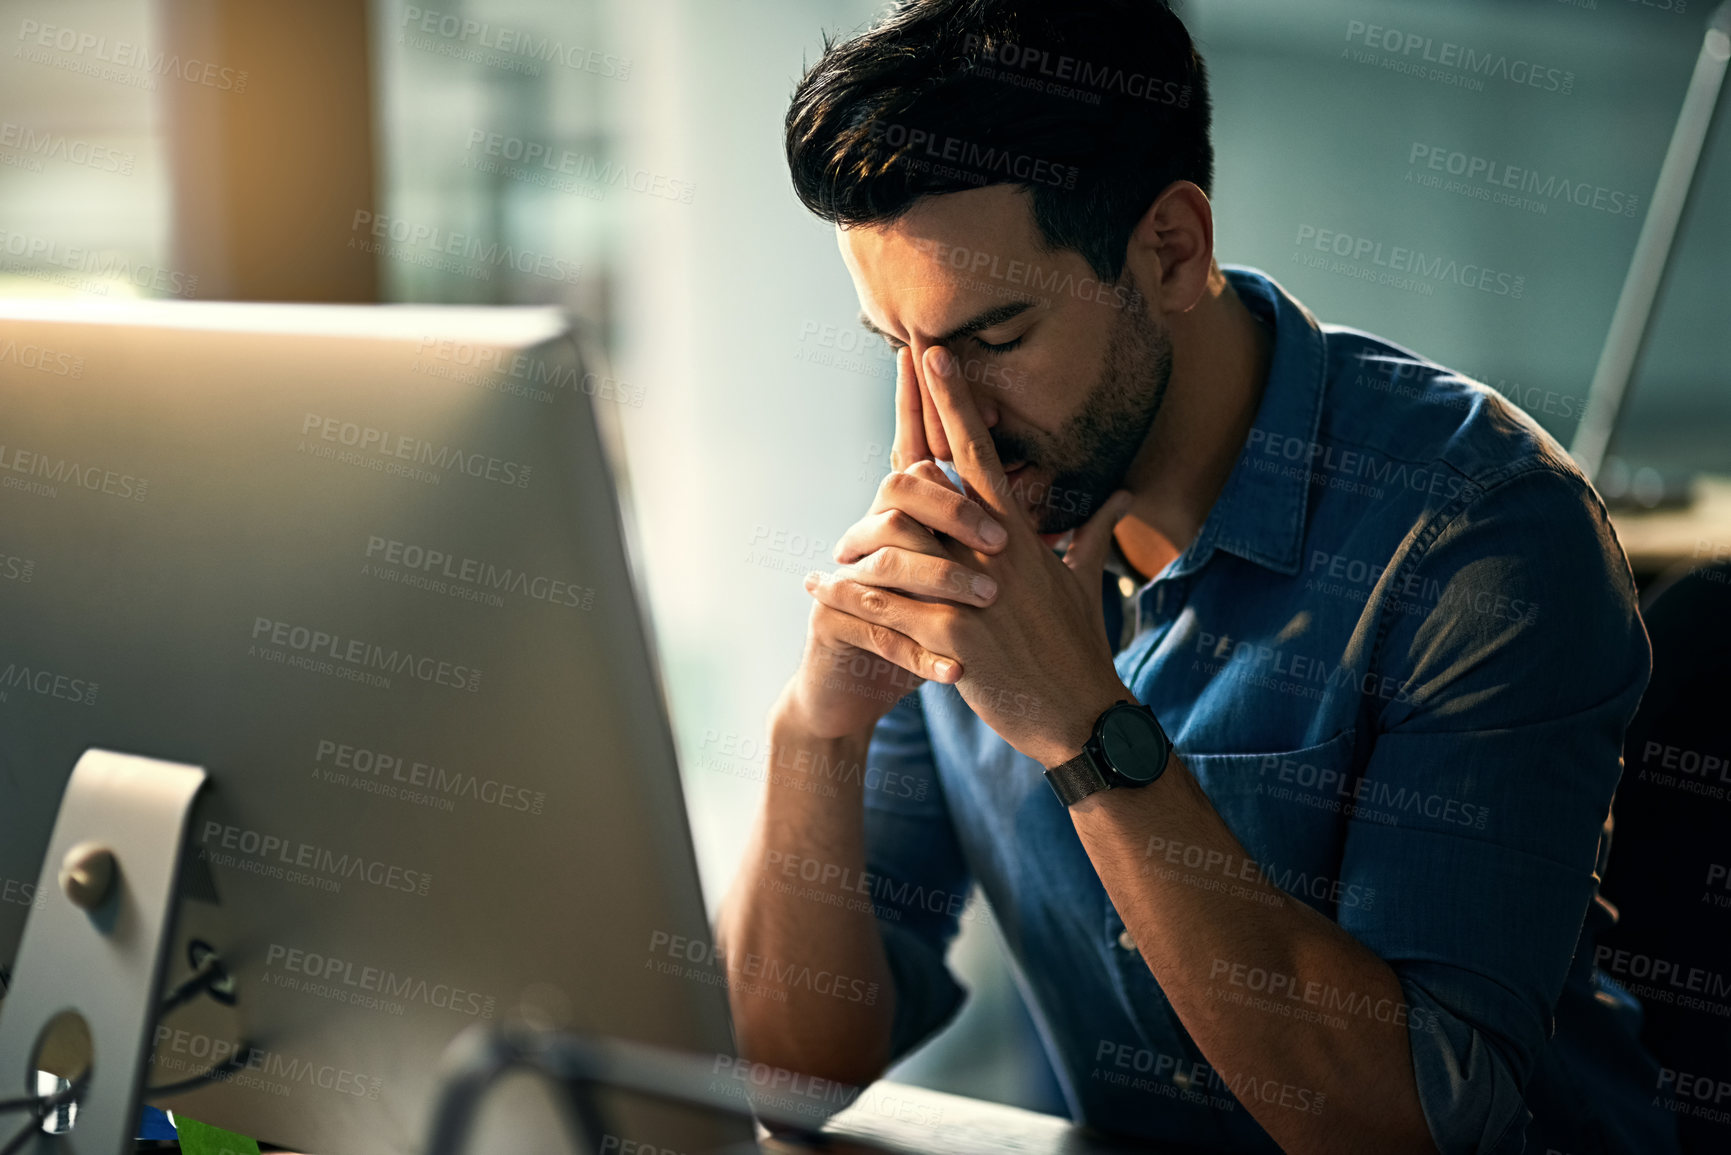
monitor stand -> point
(98, 944)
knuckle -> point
(899, 523)
(878, 565)
(881, 638)
(896, 484)
(980, 447)
(959, 509)
(873, 601)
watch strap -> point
(1074, 780)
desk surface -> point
(1699, 532)
(898, 1119)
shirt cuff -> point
(1470, 1098)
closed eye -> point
(1002, 347)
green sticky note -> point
(202, 1139)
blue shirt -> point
(1399, 657)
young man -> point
(1286, 780)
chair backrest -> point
(1670, 864)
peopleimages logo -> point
(585, 170)
(1416, 263)
(88, 54)
(922, 148)
(1667, 980)
(48, 472)
(419, 243)
(38, 146)
(385, 451)
(412, 779)
(712, 964)
(47, 684)
(1182, 1078)
(1427, 58)
(1484, 178)
(345, 973)
(501, 45)
(15, 892)
(465, 577)
(1060, 75)
(275, 856)
(34, 253)
(259, 1070)
(41, 359)
(356, 655)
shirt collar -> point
(1260, 514)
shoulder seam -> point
(1439, 523)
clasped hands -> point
(956, 586)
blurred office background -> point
(347, 150)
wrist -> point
(1072, 732)
(790, 722)
(797, 750)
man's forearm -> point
(1286, 1006)
(807, 976)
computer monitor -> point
(365, 566)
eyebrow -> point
(992, 317)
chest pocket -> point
(1288, 810)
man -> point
(1294, 840)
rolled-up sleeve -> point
(919, 879)
(1509, 665)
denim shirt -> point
(1399, 658)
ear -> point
(1171, 249)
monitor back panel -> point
(364, 565)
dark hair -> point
(1093, 106)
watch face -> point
(1133, 744)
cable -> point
(216, 1074)
(29, 1102)
(45, 1104)
(208, 975)
(17, 1141)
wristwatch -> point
(1127, 748)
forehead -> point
(942, 257)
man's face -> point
(1068, 373)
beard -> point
(1091, 455)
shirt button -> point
(1125, 941)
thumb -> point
(1087, 553)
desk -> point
(1699, 532)
(898, 1119)
(901, 1119)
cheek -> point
(986, 372)
(1042, 390)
